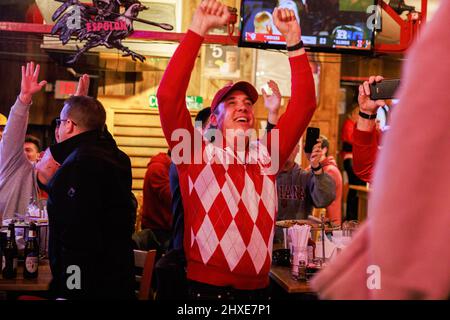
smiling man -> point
(230, 202)
(19, 170)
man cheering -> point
(229, 195)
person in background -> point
(20, 172)
(329, 165)
(299, 191)
(156, 207)
(263, 22)
(401, 251)
(367, 137)
(32, 147)
(170, 270)
(229, 228)
(90, 207)
(347, 156)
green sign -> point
(192, 102)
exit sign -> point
(64, 89)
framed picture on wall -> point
(164, 11)
(221, 62)
(273, 65)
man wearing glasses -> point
(90, 207)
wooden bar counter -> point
(282, 276)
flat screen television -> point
(327, 25)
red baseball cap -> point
(244, 86)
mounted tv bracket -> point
(409, 28)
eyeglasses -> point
(58, 121)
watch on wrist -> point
(298, 46)
(316, 169)
(367, 116)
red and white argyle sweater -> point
(230, 209)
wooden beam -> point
(137, 34)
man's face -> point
(31, 151)
(324, 152)
(237, 112)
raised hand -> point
(316, 154)
(272, 102)
(83, 85)
(208, 15)
(365, 104)
(29, 85)
(287, 24)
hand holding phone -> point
(312, 134)
(365, 101)
(384, 90)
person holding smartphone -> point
(299, 190)
(401, 251)
(366, 137)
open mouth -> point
(241, 120)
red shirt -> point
(156, 208)
(230, 209)
(347, 137)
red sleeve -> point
(299, 111)
(365, 148)
(159, 180)
(173, 86)
(347, 131)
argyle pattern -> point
(230, 211)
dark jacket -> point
(91, 217)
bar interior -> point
(213, 150)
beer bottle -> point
(31, 254)
(9, 261)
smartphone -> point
(312, 134)
(384, 89)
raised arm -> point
(302, 104)
(365, 150)
(172, 89)
(11, 145)
(83, 85)
(365, 136)
(272, 102)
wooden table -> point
(282, 276)
(363, 194)
(41, 283)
